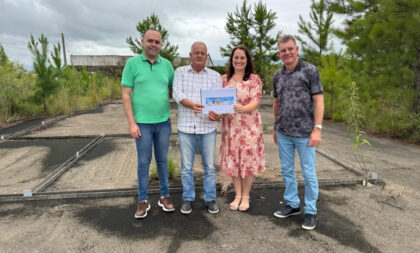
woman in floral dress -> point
(242, 148)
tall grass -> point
(81, 90)
(76, 91)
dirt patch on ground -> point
(349, 219)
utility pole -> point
(64, 49)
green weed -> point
(173, 169)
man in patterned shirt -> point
(298, 110)
(195, 128)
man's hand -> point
(135, 131)
(274, 136)
(214, 116)
(315, 138)
(196, 107)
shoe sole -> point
(144, 215)
(164, 209)
(213, 212)
(308, 228)
(285, 216)
(186, 212)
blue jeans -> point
(207, 145)
(287, 146)
(158, 135)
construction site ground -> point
(62, 216)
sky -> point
(100, 27)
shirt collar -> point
(143, 58)
(202, 71)
(297, 68)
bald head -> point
(151, 43)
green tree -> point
(3, 57)
(251, 26)
(383, 41)
(239, 26)
(168, 51)
(266, 45)
(47, 74)
(318, 31)
(336, 82)
(16, 85)
(383, 50)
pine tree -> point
(47, 73)
(168, 51)
(318, 31)
(383, 43)
(265, 45)
(250, 26)
(3, 57)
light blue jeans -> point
(157, 135)
(287, 146)
(207, 145)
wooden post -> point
(64, 50)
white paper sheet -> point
(218, 100)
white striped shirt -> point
(187, 84)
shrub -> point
(173, 169)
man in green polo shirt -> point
(146, 81)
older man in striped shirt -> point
(195, 128)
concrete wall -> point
(99, 60)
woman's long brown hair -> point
(249, 69)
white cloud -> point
(102, 26)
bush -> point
(220, 69)
(16, 87)
(266, 75)
(81, 90)
(173, 170)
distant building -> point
(114, 64)
(107, 64)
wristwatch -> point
(318, 126)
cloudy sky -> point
(100, 27)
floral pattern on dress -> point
(242, 147)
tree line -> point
(379, 53)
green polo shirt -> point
(149, 84)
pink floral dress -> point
(242, 147)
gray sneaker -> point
(186, 207)
(309, 222)
(212, 206)
(287, 211)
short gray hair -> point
(286, 38)
(198, 43)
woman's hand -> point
(239, 108)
